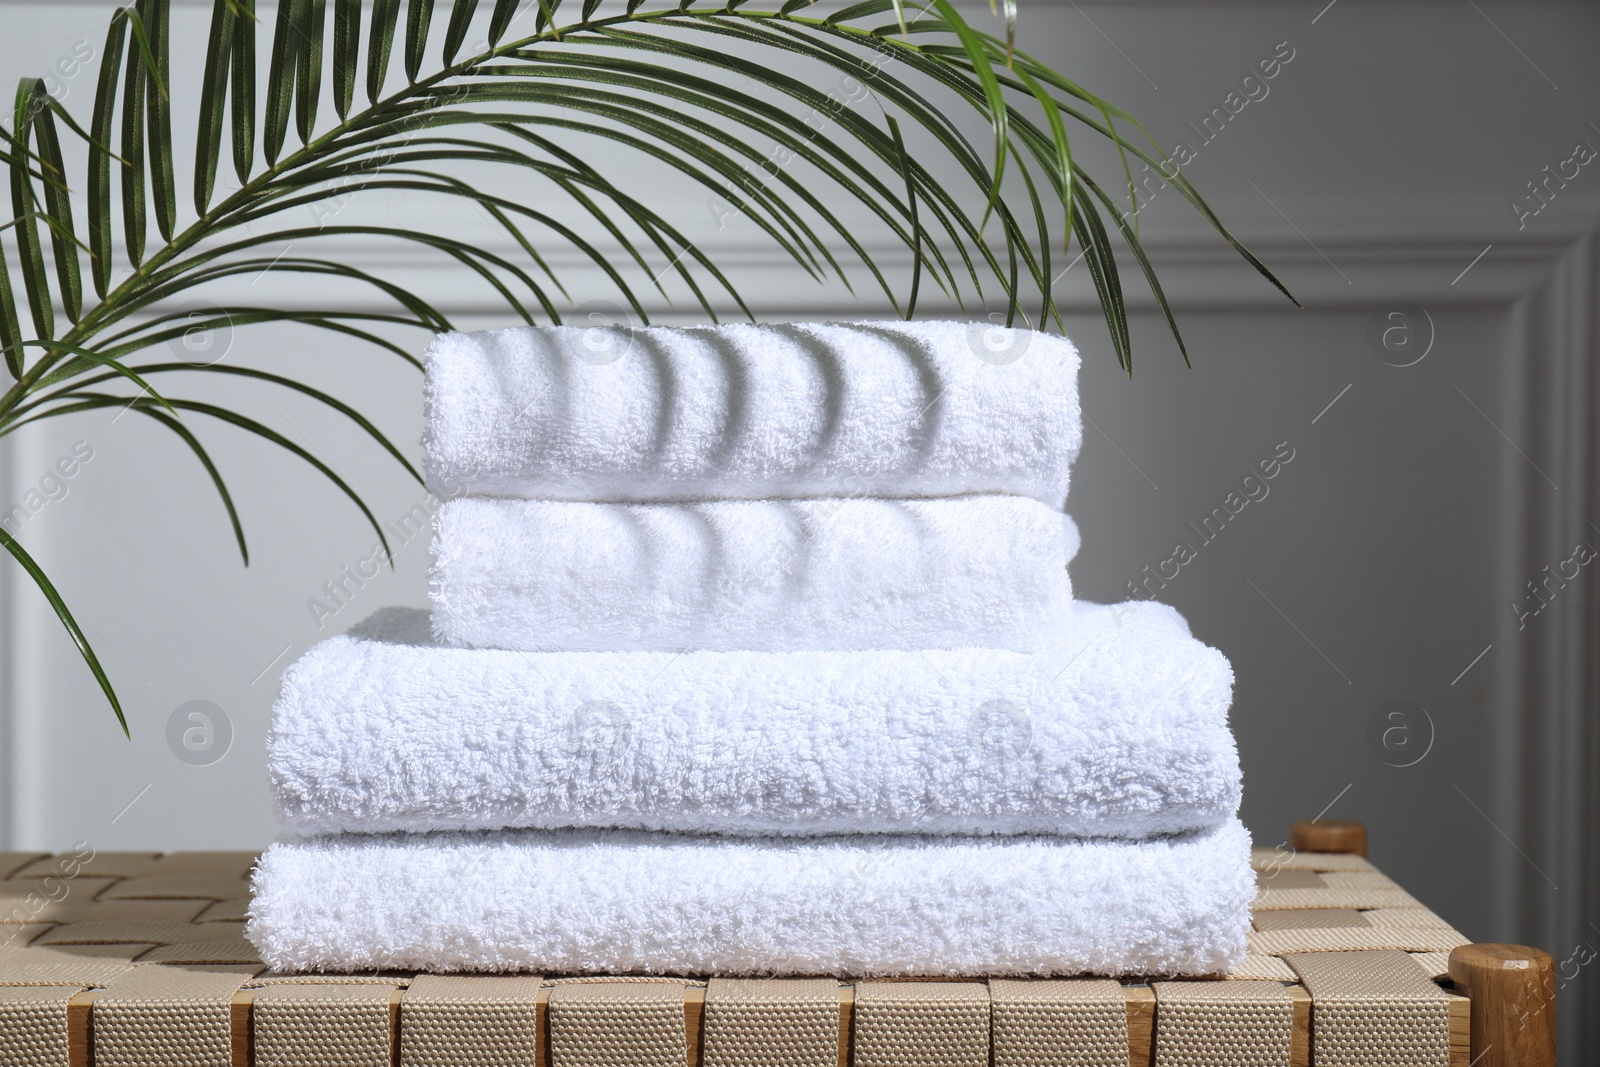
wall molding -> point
(1546, 794)
(11, 686)
(1199, 271)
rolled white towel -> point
(742, 412)
(1118, 728)
(619, 902)
(546, 576)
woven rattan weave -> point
(140, 960)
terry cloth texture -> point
(622, 902)
(752, 412)
(1119, 728)
(552, 576)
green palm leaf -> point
(163, 185)
(243, 84)
(455, 35)
(59, 606)
(63, 239)
(419, 13)
(732, 99)
(281, 77)
(385, 15)
(501, 18)
(10, 327)
(310, 21)
(346, 44)
(99, 184)
(213, 99)
(134, 204)
(25, 212)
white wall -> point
(1384, 560)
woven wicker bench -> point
(139, 960)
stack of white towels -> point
(752, 651)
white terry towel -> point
(1119, 728)
(745, 412)
(621, 902)
(550, 576)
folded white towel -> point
(543, 576)
(620, 902)
(895, 409)
(1119, 728)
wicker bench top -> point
(140, 959)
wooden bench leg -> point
(1331, 835)
(1513, 991)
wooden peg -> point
(1513, 992)
(1329, 835)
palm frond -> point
(729, 99)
